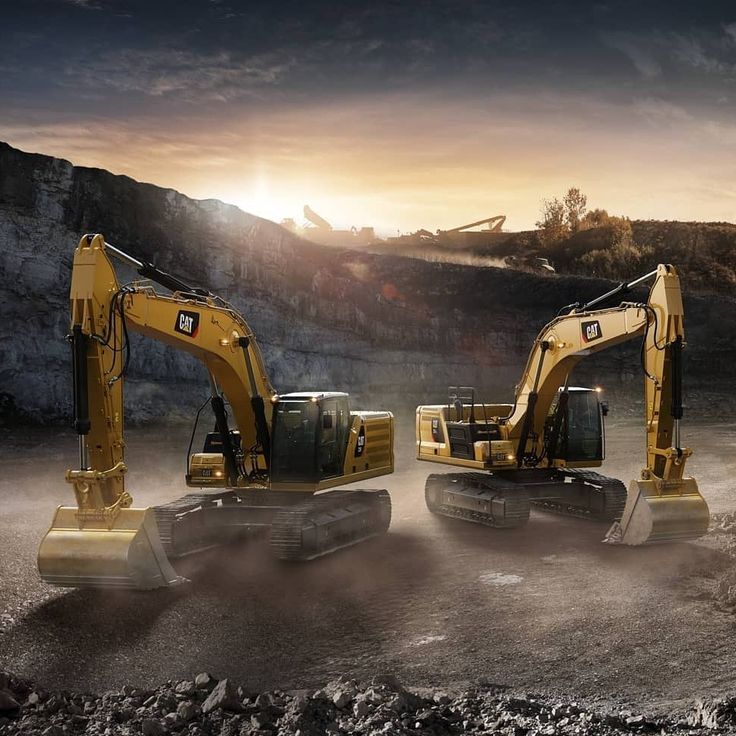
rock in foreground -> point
(204, 706)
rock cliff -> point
(393, 331)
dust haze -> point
(434, 599)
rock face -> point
(393, 331)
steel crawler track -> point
(503, 501)
(328, 522)
(607, 497)
(303, 526)
(478, 497)
(168, 514)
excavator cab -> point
(575, 429)
(309, 437)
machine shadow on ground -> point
(234, 594)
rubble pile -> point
(205, 706)
(724, 523)
(723, 531)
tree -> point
(594, 218)
(560, 219)
(552, 225)
(620, 258)
(575, 203)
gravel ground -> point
(204, 705)
(440, 604)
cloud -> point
(655, 53)
(189, 75)
(411, 160)
(658, 112)
(691, 51)
(638, 51)
(87, 4)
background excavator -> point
(268, 471)
(535, 451)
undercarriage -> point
(303, 526)
(504, 500)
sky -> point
(398, 115)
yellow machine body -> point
(102, 540)
(512, 441)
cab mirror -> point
(604, 408)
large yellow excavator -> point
(269, 471)
(537, 450)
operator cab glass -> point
(579, 417)
(309, 437)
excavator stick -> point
(651, 516)
(92, 553)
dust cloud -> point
(545, 607)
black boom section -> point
(263, 434)
(168, 281)
(231, 465)
(676, 363)
(79, 343)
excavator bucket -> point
(92, 554)
(675, 514)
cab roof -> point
(318, 395)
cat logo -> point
(360, 444)
(591, 331)
(187, 323)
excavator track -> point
(167, 515)
(605, 502)
(478, 497)
(328, 522)
(203, 520)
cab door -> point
(333, 439)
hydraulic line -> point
(676, 408)
(82, 424)
(530, 407)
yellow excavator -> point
(270, 471)
(538, 450)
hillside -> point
(704, 252)
(394, 331)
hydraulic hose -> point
(79, 342)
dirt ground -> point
(546, 608)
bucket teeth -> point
(128, 555)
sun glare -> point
(262, 201)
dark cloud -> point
(195, 49)
(169, 89)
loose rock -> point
(152, 727)
(224, 696)
(344, 706)
(8, 704)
